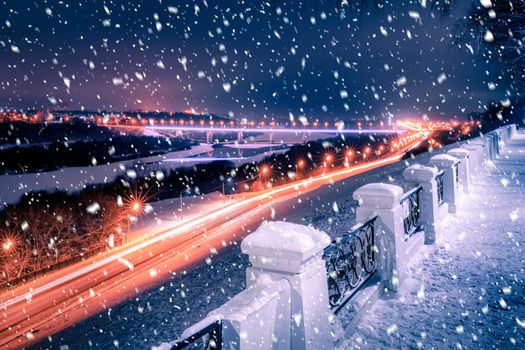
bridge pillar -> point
(209, 136)
(240, 136)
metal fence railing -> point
(440, 188)
(457, 174)
(350, 261)
(411, 204)
(208, 337)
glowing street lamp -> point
(264, 171)
(8, 244)
(299, 165)
(136, 206)
(328, 159)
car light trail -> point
(190, 225)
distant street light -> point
(137, 206)
(264, 171)
(328, 159)
(8, 244)
(299, 165)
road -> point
(45, 306)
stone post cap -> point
(284, 246)
(378, 195)
(471, 146)
(459, 153)
(443, 161)
(420, 173)
(475, 142)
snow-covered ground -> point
(468, 290)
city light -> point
(8, 244)
(137, 206)
(264, 170)
(328, 158)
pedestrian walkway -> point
(468, 290)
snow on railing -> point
(208, 337)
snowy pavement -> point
(468, 290)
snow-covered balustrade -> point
(476, 158)
(431, 208)
(285, 304)
(395, 223)
(462, 172)
(447, 183)
(257, 317)
(491, 145)
(513, 131)
(281, 250)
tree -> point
(495, 30)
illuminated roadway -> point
(47, 305)
(269, 130)
(272, 130)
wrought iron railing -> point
(209, 337)
(412, 220)
(457, 174)
(350, 262)
(440, 188)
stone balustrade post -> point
(449, 165)
(383, 200)
(429, 210)
(295, 253)
(505, 133)
(256, 318)
(463, 170)
(491, 145)
(475, 157)
(513, 131)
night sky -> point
(243, 58)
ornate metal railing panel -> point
(440, 188)
(350, 262)
(412, 220)
(209, 337)
(457, 174)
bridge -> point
(241, 131)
